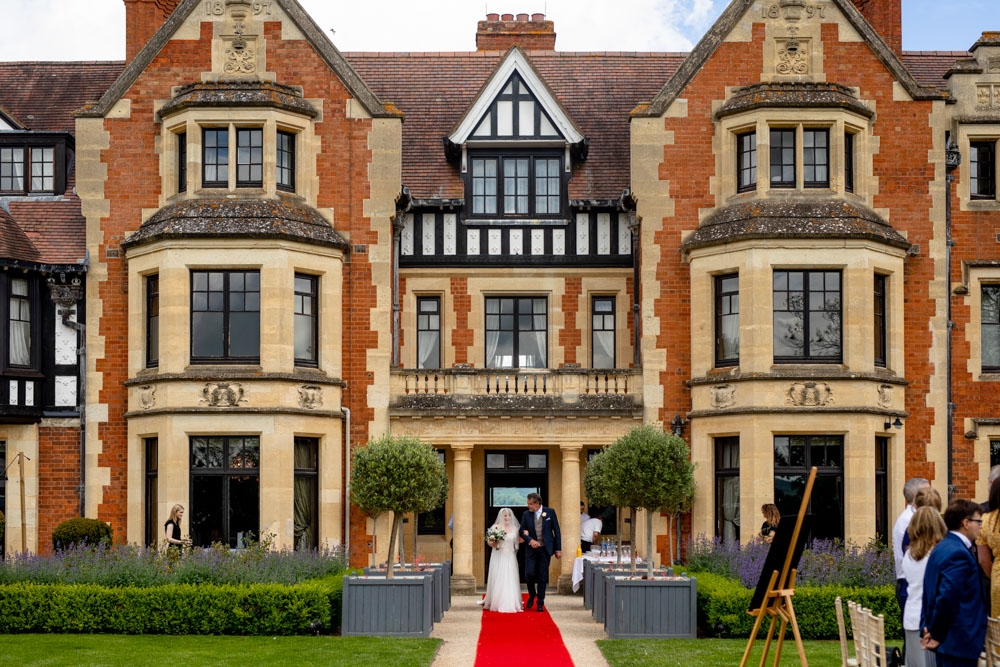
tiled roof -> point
(434, 90)
(55, 228)
(929, 67)
(44, 95)
(14, 244)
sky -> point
(94, 29)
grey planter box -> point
(590, 570)
(600, 588)
(649, 608)
(399, 607)
(438, 595)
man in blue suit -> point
(953, 616)
(540, 530)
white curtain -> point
(492, 340)
(427, 350)
(604, 349)
(731, 336)
(731, 509)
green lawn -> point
(135, 651)
(688, 652)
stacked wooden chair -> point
(992, 643)
(869, 636)
(845, 659)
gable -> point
(514, 90)
(237, 33)
(788, 26)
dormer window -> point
(519, 184)
(32, 165)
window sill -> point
(515, 222)
(984, 205)
(989, 376)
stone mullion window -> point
(153, 533)
(807, 317)
(782, 154)
(603, 332)
(429, 332)
(983, 170)
(249, 157)
(746, 162)
(816, 158)
(225, 317)
(306, 320)
(727, 320)
(225, 489)
(306, 494)
(879, 316)
(794, 455)
(152, 321)
(215, 157)
(727, 488)
(182, 162)
(990, 323)
(516, 332)
(285, 161)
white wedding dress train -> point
(503, 584)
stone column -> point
(462, 580)
(570, 523)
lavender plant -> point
(129, 565)
(823, 562)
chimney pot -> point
(493, 17)
(522, 17)
(507, 17)
(538, 17)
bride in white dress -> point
(503, 585)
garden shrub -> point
(723, 603)
(77, 531)
(174, 609)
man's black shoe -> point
(529, 603)
(541, 607)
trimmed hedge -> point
(723, 603)
(81, 531)
(176, 609)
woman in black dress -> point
(172, 528)
(772, 517)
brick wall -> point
(58, 481)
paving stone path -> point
(460, 631)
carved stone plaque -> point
(223, 394)
(809, 394)
(147, 396)
(310, 396)
(793, 56)
(885, 396)
(723, 395)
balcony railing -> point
(611, 388)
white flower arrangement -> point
(495, 535)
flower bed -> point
(133, 590)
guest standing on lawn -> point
(926, 530)
(989, 548)
(910, 490)
(954, 609)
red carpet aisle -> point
(532, 635)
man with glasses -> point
(954, 610)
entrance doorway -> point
(510, 476)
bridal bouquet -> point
(495, 535)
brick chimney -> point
(142, 19)
(886, 16)
(500, 32)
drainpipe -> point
(403, 204)
(953, 158)
(627, 205)
(347, 482)
(66, 296)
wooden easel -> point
(777, 602)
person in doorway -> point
(590, 532)
(172, 528)
(926, 530)
(772, 517)
(503, 583)
(953, 615)
(540, 530)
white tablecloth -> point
(578, 566)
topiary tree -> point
(597, 485)
(81, 531)
(398, 475)
(651, 470)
